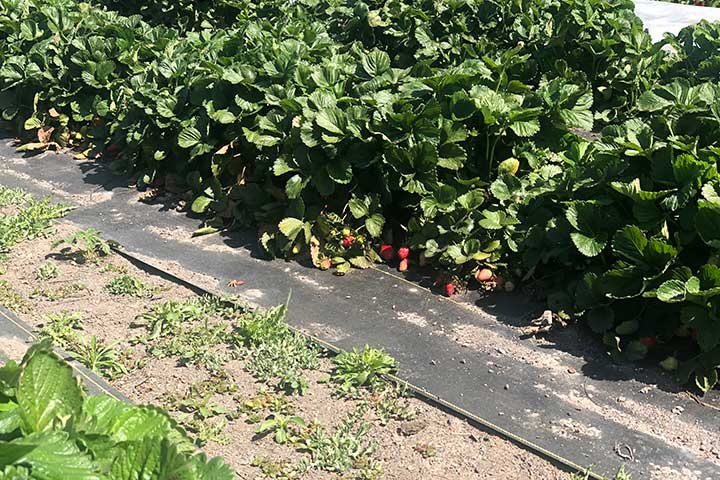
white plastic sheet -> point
(662, 17)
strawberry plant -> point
(48, 419)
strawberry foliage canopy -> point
(50, 429)
(549, 139)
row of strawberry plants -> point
(461, 130)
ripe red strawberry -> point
(387, 252)
(403, 252)
(449, 289)
(403, 265)
(348, 241)
(483, 275)
(648, 341)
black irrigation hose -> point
(419, 392)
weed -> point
(62, 327)
(166, 317)
(355, 369)
(65, 291)
(194, 346)
(345, 449)
(110, 268)
(127, 285)
(13, 300)
(97, 356)
(47, 271)
(274, 351)
(285, 427)
(197, 410)
(425, 450)
(620, 475)
(87, 245)
(12, 196)
(276, 469)
(33, 221)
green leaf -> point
(32, 123)
(53, 456)
(374, 224)
(47, 391)
(358, 208)
(333, 120)
(201, 204)
(294, 186)
(589, 246)
(375, 63)
(630, 242)
(291, 227)
(189, 137)
(671, 291)
(627, 328)
(340, 170)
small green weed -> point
(47, 271)
(110, 268)
(60, 293)
(86, 245)
(12, 196)
(276, 469)
(32, 221)
(127, 285)
(204, 419)
(62, 327)
(286, 428)
(274, 351)
(345, 449)
(620, 475)
(12, 299)
(425, 450)
(356, 369)
(97, 356)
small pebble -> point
(507, 387)
(571, 370)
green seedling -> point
(47, 271)
(127, 285)
(62, 327)
(12, 299)
(356, 369)
(97, 356)
(64, 291)
(86, 245)
(283, 426)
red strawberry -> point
(403, 252)
(348, 241)
(648, 341)
(403, 265)
(449, 289)
(483, 275)
(387, 252)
